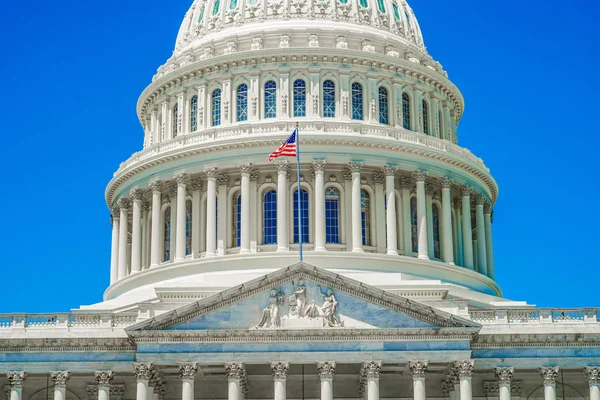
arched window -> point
(365, 213)
(357, 101)
(242, 102)
(237, 219)
(270, 217)
(440, 132)
(216, 107)
(328, 99)
(174, 119)
(435, 214)
(381, 6)
(299, 98)
(194, 114)
(270, 99)
(332, 215)
(383, 106)
(405, 111)
(233, 4)
(304, 205)
(216, 7)
(167, 234)
(425, 118)
(188, 227)
(413, 224)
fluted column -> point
(60, 379)
(114, 251)
(464, 371)
(143, 373)
(145, 235)
(223, 230)
(180, 239)
(136, 231)
(448, 243)
(16, 380)
(326, 371)
(236, 372)
(372, 370)
(592, 375)
(282, 219)
(280, 371)
(481, 245)
(211, 212)
(422, 241)
(549, 375)
(347, 217)
(318, 168)
(419, 371)
(489, 246)
(357, 242)
(254, 175)
(188, 374)
(504, 376)
(406, 223)
(103, 380)
(429, 192)
(155, 246)
(466, 228)
(124, 206)
(378, 234)
(390, 195)
(245, 200)
(196, 229)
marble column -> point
(236, 372)
(280, 371)
(180, 236)
(592, 375)
(347, 216)
(124, 207)
(480, 227)
(318, 168)
(372, 370)
(390, 215)
(464, 371)
(196, 229)
(357, 241)
(282, 218)
(406, 222)
(422, 240)
(448, 243)
(60, 379)
(489, 247)
(549, 375)
(222, 229)
(254, 175)
(155, 242)
(136, 231)
(211, 212)
(245, 216)
(145, 235)
(16, 380)
(188, 374)
(103, 381)
(419, 371)
(114, 254)
(429, 193)
(326, 371)
(143, 373)
(467, 233)
(504, 376)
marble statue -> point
(329, 309)
(271, 317)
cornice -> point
(74, 344)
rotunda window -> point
(201, 16)
(365, 211)
(344, 1)
(216, 7)
(357, 101)
(237, 219)
(174, 119)
(216, 107)
(194, 114)
(425, 118)
(435, 211)
(381, 6)
(332, 215)
(188, 227)
(270, 217)
(405, 111)
(270, 99)
(383, 106)
(304, 208)
(439, 125)
(299, 98)
(242, 102)
(364, 4)
(328, 99)
(396, 12)
(167, 234)
(233, 4)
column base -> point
(210, 255)
(423, 257)
(392, 253)
(320, 249)
(280, 249)
(358, 250)
(245, 251)
(451, 263)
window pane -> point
(405, 111)
(216, 107)
(174, 118)
(357, 101)
(299, 98)
(304, 205)
(436, 231)
(242, 102)
(270, 217)
(270, 99)
(328, 99)
(332, 215)
(413, 224)
(383, 106)
(188, 228)
(425, 118)
(365, 211)
(194, 116)
(237, 220)
(167, 235)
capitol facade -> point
(395, 297)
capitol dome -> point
(387, 194)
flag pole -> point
(299, 196)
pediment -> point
(302, 297)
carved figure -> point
(297, 300)
(271, 317)
(329, 309)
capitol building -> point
(395, 296)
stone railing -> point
(312, 129)
(66, 321)
(535, 316)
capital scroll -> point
(420, 175)
(280, 369)
(446, 182)
(137, 194)
(592, 374)
(188, 371)
(60, 378)
(356, 166)
(182, 179)
(245, 168)
(143, 371)
(326, 369)
(418, 368)
(16, 378)
(389, 170)
(549, 374)
(464, 368)
(504, 375)
(235, 370)
(372, 369)
(211, 173)
(156, 186)
(104, 378)
(378, 177)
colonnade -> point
(457, 384)
(204, 229)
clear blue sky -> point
(72, 70)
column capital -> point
(466, 190)
(347, 174)
(447, 387)
(405, 181)
(280, 369)
(516, 388)
(326, 369)
(188, 371)
(254, 174)
(235, 370)
(504, 375)
(211, 173)
(378, 177)
(223, 179)
(480, 200)
(319, 165)
(182, 179)
(487, 208)
(592, 374)
(429, 189)
(446, 182)
(16, 378)
(355, 167)
(245, 168)
(145, 206)
(418, 369)
(123, 203)
(104, 378)
(549, 374)
(371, 369)
(60, 378)
(196, 184)
(491, 388)
(136, 195)
(173, 191)
(390, 170)
(464, 368)
(282, 166)
(420, 175)
(156, 186)
(143, 371)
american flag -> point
(288, 148)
